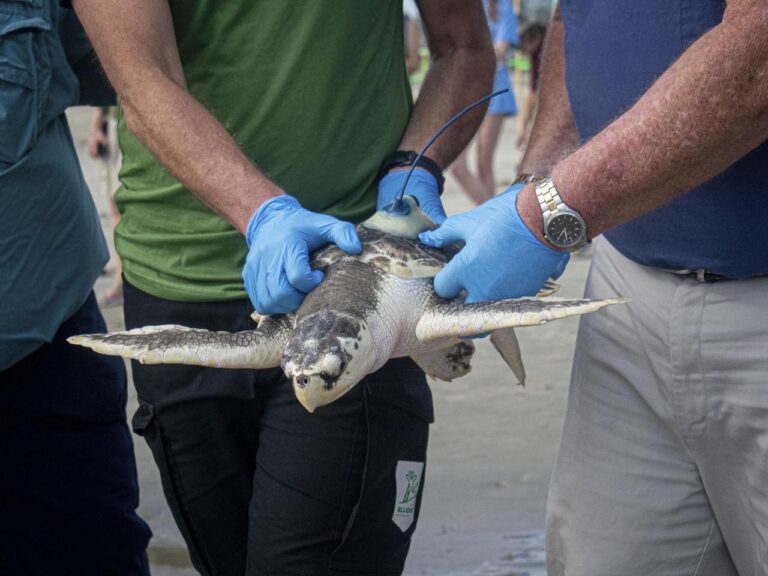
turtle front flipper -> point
(463, 320)
(172, 344)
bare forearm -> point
(553, 134)
(196, 148)
(460, 73)
(441, 98)
(528, 109)
(136, 46)
(708, 110)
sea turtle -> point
(369, 308)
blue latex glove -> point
(501, 259)
(422, 185)
(280, 236)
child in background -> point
(481, 186)
(531, 43)
(102, 144)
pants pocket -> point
(23, 73)
(378, 533)
(146, 424)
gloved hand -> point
(501, 258)
(422, 185)
(280, 236)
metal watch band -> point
(548, 198)
(552, 206)
(402, 158)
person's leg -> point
(471, 185)
(723, 354)
(68, 485)
(113, 296)
(626, 496)
(202, 426)
(487, 140)
(338, 491)
(114, 161)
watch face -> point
(565, 230)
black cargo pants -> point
(258, 485)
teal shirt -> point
(51, 244)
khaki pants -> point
(663, 464)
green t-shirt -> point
(315, 93)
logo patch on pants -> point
(408, 476)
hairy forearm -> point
(136, 46)
(195, 148)
(453, 82)
(527, 111)
(460, 73)
(704, 113)
(553, 133)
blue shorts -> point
(503, 104)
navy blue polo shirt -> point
(614, 51)
(51, 244)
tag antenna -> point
(437, 135)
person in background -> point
(254, 132)
(68, 485)
(102, 146)
(531, 43)
(412, 33)
(481, 186)
(662, 464)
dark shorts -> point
(258, 485)
(68, 486)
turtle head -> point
(327, 355)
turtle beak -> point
(307, 396)
(313, 390)
(322, 367)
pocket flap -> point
(14, 22)
(15, 56)
(15, 74)
(143, 417)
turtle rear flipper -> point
(463, 320)
(172, 344)
(550, 287)
(505, 342)
(447, 363)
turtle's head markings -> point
(321, 359)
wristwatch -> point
(563, 226)
(402, 158)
